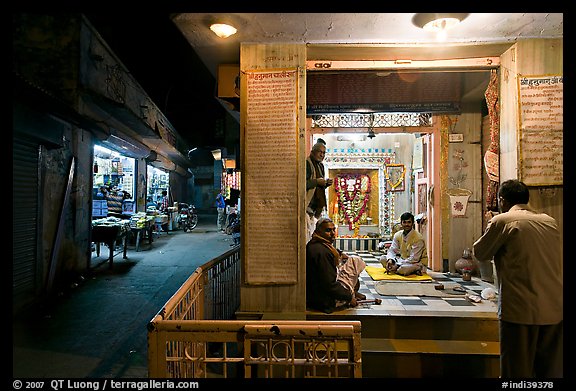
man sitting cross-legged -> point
(407, 253)
(332, 277)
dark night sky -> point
(165, 65)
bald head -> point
(319, 146)
(326, 229)
(323, 220)
(318, 152)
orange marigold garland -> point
(352, 198)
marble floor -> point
(459, 305)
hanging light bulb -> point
(441, 24)
(371, 133)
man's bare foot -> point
(360, 296)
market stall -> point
(110, 231)
(142, 227)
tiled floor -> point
(421, 305)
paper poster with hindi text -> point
(541, 133)
(270, 182)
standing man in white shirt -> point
(528, 255)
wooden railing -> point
(194, 336)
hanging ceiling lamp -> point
(371, 133)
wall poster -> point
(418, 155)
(541, 132)
(270, 180)
(395, 177)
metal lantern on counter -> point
(466, 265)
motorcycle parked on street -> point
(187, 217)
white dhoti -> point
(310, 226)
(349, 271)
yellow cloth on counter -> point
(378, 273)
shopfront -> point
(231, 187)
(157, 182)
(114, 179)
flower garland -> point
(397, 183)
(352, 199)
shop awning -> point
(126, 145)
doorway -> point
(427, 171)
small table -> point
(109, 234)
(141, 232)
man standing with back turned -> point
(527, 250)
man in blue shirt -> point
(221, 208)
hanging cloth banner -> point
(459, 201)
(492, 156)
(492, 165)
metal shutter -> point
(25, 179)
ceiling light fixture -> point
(438, 23)
(223, 30)
(217, 154)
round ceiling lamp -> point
(438, 22)
(223, 30)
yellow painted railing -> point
(211, 292)
(256, 348)
(193, 335)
